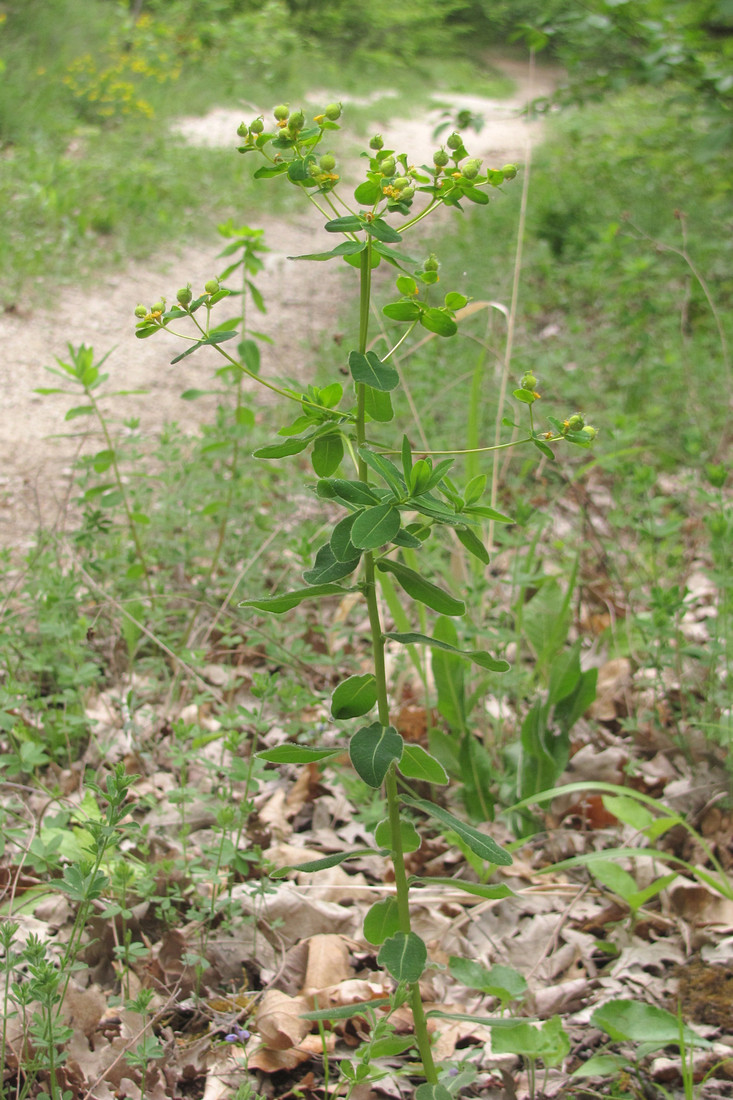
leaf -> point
(476, 888)
(385, 469)
(422, 590)
(350, 223)
(439, 322)
(351, 492)
(372, 749)
(375, 526)
(378, 405)
(217, 337)
(473, 544)
(417, 763)
(295, 754)
(479, 843)
(341, 545)
(346, 248)
(625, 1020)
(79, 410)
(370, 370)
(368, 192)
(285, 602)
(404, 955)
(402, 311)
(454, 300)
(328, 451)
(478, 656)
(432, 1092)
(497, 981)
(345, 1012)
(354, 696)
(327, 568)
(382, 230)
(547, 1041)
(282, 450)
(325, 863)
(409, 836)
(382, 921)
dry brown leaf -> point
(273, 1061)
(278, 1020)
(699, 905)
(328, 963)
(614, 680)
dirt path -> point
(36, 460)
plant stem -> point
(370, 594)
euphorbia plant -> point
(392, 502)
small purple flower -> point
(237, 1035)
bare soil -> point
(37, 451)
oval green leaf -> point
(416, 763)
(354, 697)
(375, 526)
(404, 955)
(370, 370)
(372, 749)
(409, 835)
(422, 590)
(382, 921)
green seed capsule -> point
(212, 286)
(377, 142)
(158, 307)
(431, 264)
(470, 169)
(574, 423)
(407, 192)
(590, 431)
(387, 166)
(296, 121)
(242, 130)
(455, 141)
(141, 311)
(257, 126)
(327, 162)
(528, 381)
(440, 158)
(281, 112)
(333, 111)
(510, 171)
(184, 296)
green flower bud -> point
(455, 141)
(296, 121)
(590, 431)
(185, 296)
(158, 307)
(528, 381)
(257, 126)
(212, 286)
(281, 112)
(327, 162)
(333, 111)
(387, 166)
(440, 158)
(574, 423)
(470, 169)
(141, 311)
(431, 264)
(243, 130)
(510, 171)
(377, 142)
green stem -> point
(370, 593)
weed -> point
(377, 536)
